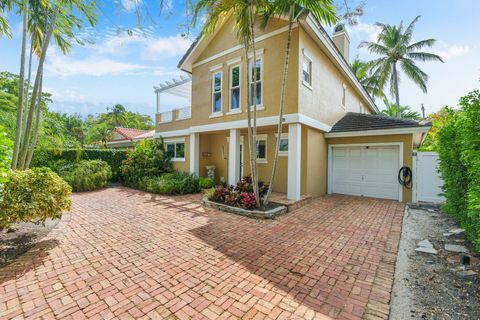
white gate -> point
(428, 184)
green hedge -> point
(459, 151)
(86, 175)
(171, 183)
(52, 159)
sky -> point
(115, 67)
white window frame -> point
(284, 136)
(261, 137)
(217, 113)
(231, 87)
(175, 142)
(307, 58)
(344, 96)
(250, 75)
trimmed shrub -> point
(33, 195)
(148, 159)
(171, 183)
(86, 175)
(459, 151)
(206, 183)
(53, 159)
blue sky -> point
(118, 68)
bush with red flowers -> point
(239, 196)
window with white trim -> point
(217, 92)
(307, 70)
(261, 147)
(235, 87)
(344, 96)
(259, 70)
(283, 148)
(175, 150)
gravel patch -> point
(434, 285)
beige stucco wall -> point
(407, 150)
(315, 147)
(324, 101)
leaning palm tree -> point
(395, 48)
(324, 11)
(245, 13)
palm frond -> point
(374, 47)
(409, 31)
(421, 44)
(424, 56)
(419, 77)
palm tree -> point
(245, 13)
(324, 11)
(363, 70)
(395, 48)
(404, 112)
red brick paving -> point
(126, 254)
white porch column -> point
(294, 161)
(234, 157)
(195, 153)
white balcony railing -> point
(184, 113)
(175, 114)
(166, 116)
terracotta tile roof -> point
(359, 122)
(130, 133)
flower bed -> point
(240, 199)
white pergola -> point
(180, 87)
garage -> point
(366, 170)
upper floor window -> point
(235, 88)
(258, 67)
(344, 96)
(307, 70)
(217, 92)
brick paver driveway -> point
(127, 254)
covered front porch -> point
(228, 152)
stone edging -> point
(257, 214)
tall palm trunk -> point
(21, 83)
(29, 78)
(36, 86)
(36, 128)
(397, 93)
(282, 102)
(254, 99)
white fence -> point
(427, 186)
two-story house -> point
(332, 142)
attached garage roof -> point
(361, 122)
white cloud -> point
(130, 5)
(364, 31)
(65, 95)
(60, 65)
(448, 52)
(165, 46)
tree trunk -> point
(397, 94)
(251, 146)
(21, 90)
(27, 91)
(37, 127)
(28, 128)
(282, 103)
(254, 129)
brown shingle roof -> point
(359, 122)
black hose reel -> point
(405, 177)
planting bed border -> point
(257, 214)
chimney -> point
(342, 41)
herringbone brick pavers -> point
(126, 254)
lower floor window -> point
(283, 149)
(261, 150)
(176, 150)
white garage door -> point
(369, 171)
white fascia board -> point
(381, 132)
(239, 124)
(341, 62)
